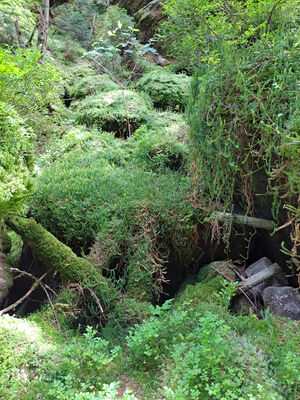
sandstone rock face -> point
(132, 6)
(149, 18)
(148, 15)
(282, 301)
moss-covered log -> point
(61, 258)
(5, 276)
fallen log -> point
(59, 257)
(5, 276)
(261, 276)
(259, 223)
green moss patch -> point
(90, 85)
(166, 88)
(110, 193)
(120, 111)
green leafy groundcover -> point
(191, 348)
(16, 146)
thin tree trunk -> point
(43, 28)
(28, 44)
(19, 34)
(258, 223)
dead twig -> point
(33, 287)
(52, 306)
(96, 299)
(230, 280)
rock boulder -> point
(282, 301)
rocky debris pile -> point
(266, 283)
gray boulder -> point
(282, 301)
(262, 264)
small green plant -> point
(148, 343)
(226, 293)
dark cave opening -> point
(262, 244)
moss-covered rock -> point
(210, 283)
(120, 111)
(215, 269)
(158, 148)
(90, 85)
(166, 88)
(80, 70)
(173, 123)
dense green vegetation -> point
(123, 163)
(193, 347)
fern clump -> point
(166, 88)
(120, 111)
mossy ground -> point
(166, 88)
(123, 198)
(190, 347)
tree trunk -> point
(59, 257)
(19, 34)
(43, 28)
(258, 223)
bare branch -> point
(33, 287)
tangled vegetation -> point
(109, 193)
(119, 181)
(243, 109)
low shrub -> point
(51, 367)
